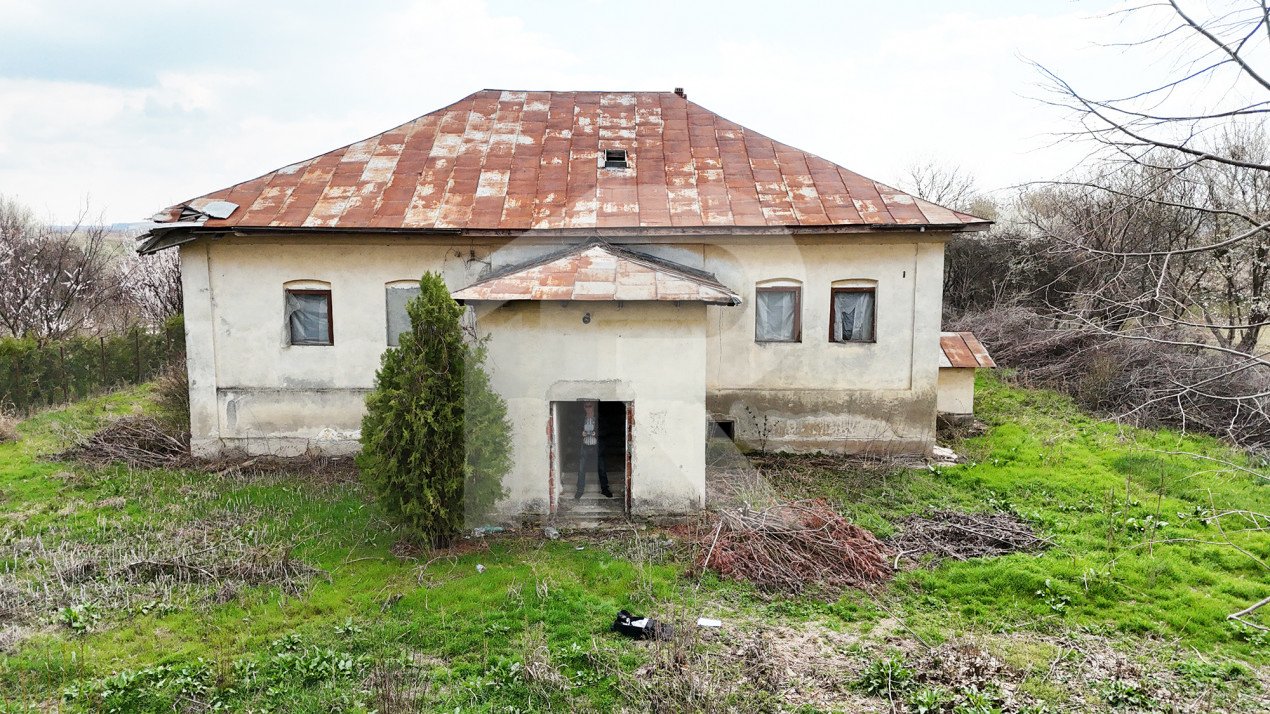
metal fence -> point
(34, 376)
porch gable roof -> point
(599, 271)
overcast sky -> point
(133, 106)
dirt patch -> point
(808, 665)
(956, 535)
(740, 669)
(314, 467)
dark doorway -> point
(611, 418)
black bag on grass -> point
(641, 628)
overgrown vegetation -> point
(35, 374)
(172, 395)
(435, 438)
(8, 426)
(147, 589)
(1138, 282)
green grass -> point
(369, 623)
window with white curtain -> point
(778, 313)
(853, 315)
(309, 317)
(396, 296)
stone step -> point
(600, 506)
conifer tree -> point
(413, 452)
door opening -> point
(612, 450)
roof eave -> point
(728, 302)
(159, 238)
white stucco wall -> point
(817, 394)
(649, 354)
(250, 390)
(956, 390)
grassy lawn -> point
(161, 590)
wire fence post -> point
(136, 343)
(61, 368)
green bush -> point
(433, 427)
(34, 375)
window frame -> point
(330, 317)
(619, 164)
(873, 326)
(388, 287)
(797, 290)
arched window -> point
(778, 308)
(309, 316)
(853, 311)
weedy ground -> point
(126, 590)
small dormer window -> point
(615, 159)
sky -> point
(127, 107)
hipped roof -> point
(516, 160)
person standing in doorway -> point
(592, 451)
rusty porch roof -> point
(515, 161)
(599, 271)
(963, 350)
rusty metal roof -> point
(516, 160)
(599, 271)
(963, 349)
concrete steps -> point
(593, 506)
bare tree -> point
(51, 279)
(1176, 213)
(947, 185)
(152, 285)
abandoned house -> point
(631, 248)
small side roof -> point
(597, 270)
(963, 350)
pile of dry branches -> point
(142, 442)
(951, 534)
(137, 441)
(793, 547)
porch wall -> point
(651, 354)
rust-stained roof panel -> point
(512, 160)
(963, 350)
(599, 271)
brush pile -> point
(137, 441)
(792, 548)
(951, 534)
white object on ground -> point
(709, 622)
(480, 568)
